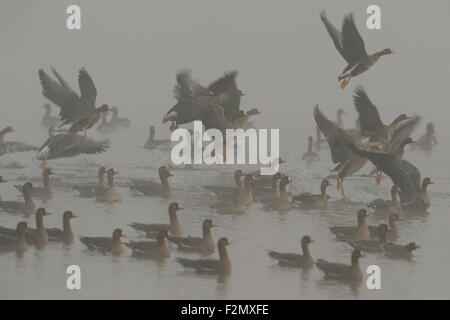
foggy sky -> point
(286, 60)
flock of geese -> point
(218, 106)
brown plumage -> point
(352, 48)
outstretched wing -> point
(187, 87)
(334, 33)
(88, 92)
(60, 94)
(369, 118)
(335, 137)
(227, 83)
(353, 44)
(402, 131)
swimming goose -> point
(16, 242)
(392, 233)
(307, 200)
(423, 194)
(203, 245)
(359, 232)
(400, 251)
(343, 272)
(351, 47)
(174, 228)
(310, 155)
(109, 194)
(41, 233)
(386, 207)
(282, 202)
(235, 207)
(106, 244)
(428, 140)
(116, 121)
(152, 143)
(151, 188)
(26, 207)
(45, 192)
(211, 266)
(151, 249)
(372, 245)
(224, 192)
(295, 260)
(2, 180)
(48, 120)
(13, 146)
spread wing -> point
(334, 33)
(335, 137)
(88, 92)
(369, 118)
(61, 94)
(353, 44)
(227, 83)
(402, 131)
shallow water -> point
(41, 273)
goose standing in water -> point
(295, 260)
(351, 47)
(41, 233)
(173, 228)
(211, 266)
(17, 242)
(343, 272)
(151, 142)
(307, 200)
(26, 207)
(13, 146)
(151, 188)
(151, 249)
(109, 194)
(310, 155)
(48, 120)
(45, 192)
(204, 245)
(106, 244)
